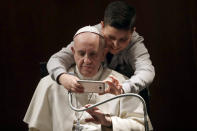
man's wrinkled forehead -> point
(86, 40)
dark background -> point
(32, 30)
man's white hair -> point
(94, 30)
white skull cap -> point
(91, 29)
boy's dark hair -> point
(120, 15)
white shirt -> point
(49, 108)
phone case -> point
(92, 86)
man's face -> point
(116, 39)
(88, 54)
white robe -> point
(49, 108)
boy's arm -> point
(60, 62)
(139, 59)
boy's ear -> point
(133, 29)
(102, 24)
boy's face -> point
(116, 39)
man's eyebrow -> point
(80, 51)
(93, 52)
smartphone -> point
(92, 86)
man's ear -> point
(102, 26)
(73, 50)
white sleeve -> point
(131, 116)
(129, 124)
(139, 59)
(60, 62)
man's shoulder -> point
(47, 80)
(109, 72)
(46, 83)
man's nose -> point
(87, 60)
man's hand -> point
(70, 83)
(98, 117)
(114, 87)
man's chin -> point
(87, 73)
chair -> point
(145, 93)
(43, 69)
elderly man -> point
(49, 108)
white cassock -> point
(49, 108)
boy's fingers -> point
(110, 83)
(115, 80)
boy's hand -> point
(114, 87)
(70, 83)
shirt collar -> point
(96, 77)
